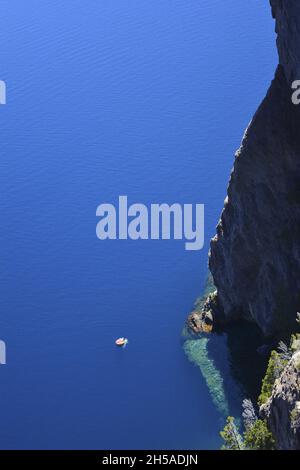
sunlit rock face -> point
(255, 255)
(282, 410)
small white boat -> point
(121, 342)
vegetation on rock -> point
(231, 436)
(257, 436)
(275, 367)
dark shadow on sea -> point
(240, 352)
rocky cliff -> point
(282, 410)
(255, 256)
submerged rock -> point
(203, 320)
(194, 322)
(197, 352)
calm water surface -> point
(111, 97)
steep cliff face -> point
(282, 410)
(287, 16)
(255, 255)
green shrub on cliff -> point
(295, 417)
(295, 342)
(275, 367)
(231, 436)
(277, 362)
(258, 437)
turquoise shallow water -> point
(147, 99)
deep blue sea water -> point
(111, 97)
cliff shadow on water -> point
(232, 361)
(232, 364)
(247, 358)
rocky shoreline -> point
(254, 257)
